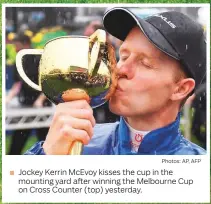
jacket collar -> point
(155, 142)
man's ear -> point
(183, 88)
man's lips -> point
(118, 88)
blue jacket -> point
(114, 139)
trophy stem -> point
(76, 148)
(71, 95)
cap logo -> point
(166, 20)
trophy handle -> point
(99, 35)
(94, 61)
(19, 65)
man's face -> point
(147, 77)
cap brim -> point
(119, 22)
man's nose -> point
(125, 69)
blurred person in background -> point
(162, 62)
(92, 27)
(27, 96)
(199, 118)
(10, 59)
(198, 100)
(198, 103)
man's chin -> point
(116, 107)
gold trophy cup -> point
(72, 68)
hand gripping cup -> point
(73, 68)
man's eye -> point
(146, 64)
(123, 58)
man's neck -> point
(153, 121)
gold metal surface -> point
(76, 148)
(74, 62)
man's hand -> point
(72, 121)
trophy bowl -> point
(73, 68)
